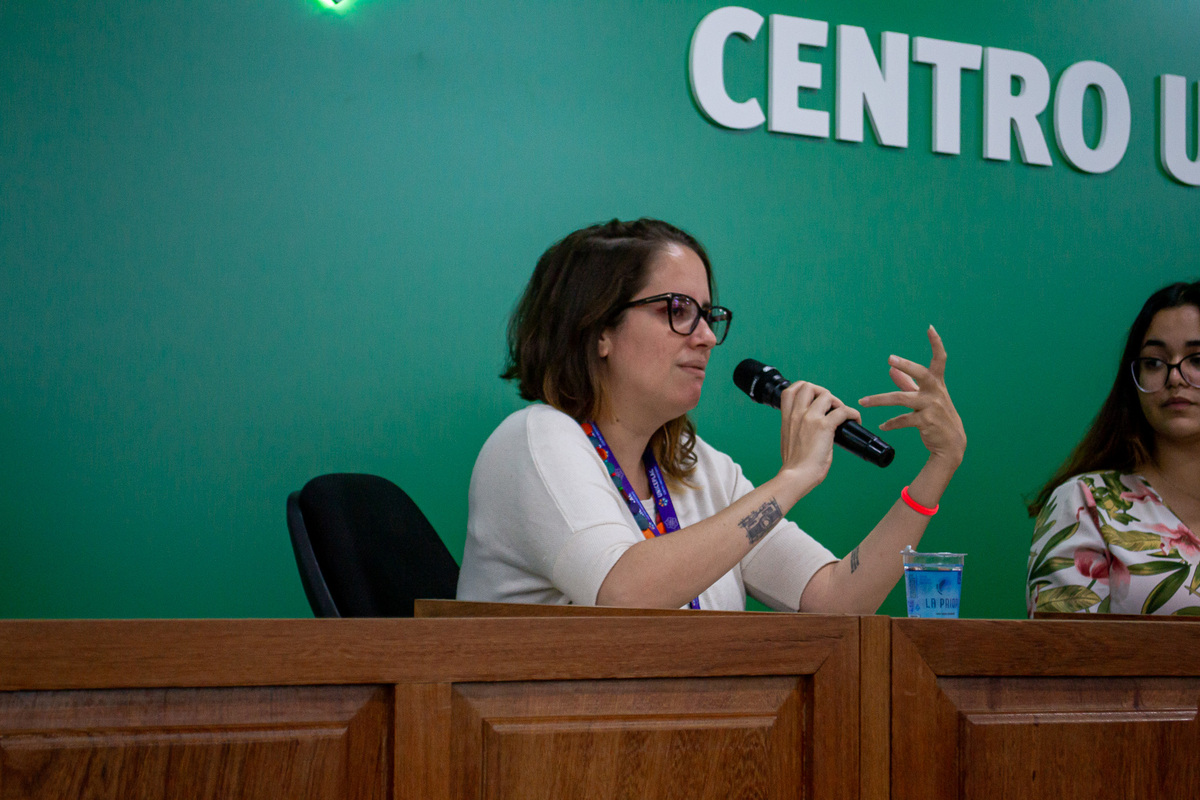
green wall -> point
(245, 243)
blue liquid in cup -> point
(933, 591)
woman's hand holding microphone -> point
(811, 414)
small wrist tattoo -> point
(760, 522)
(853, 560)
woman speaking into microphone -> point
(602, 493)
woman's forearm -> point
(860, 582)
(669, 571)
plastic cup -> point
(932, 583)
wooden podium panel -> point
(782, 724)
(666, 738)
(195, 744)
(689, 705)
(1033, 709)
(600, 705)
(708, 739)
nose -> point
(1175, 375)
(703, 336)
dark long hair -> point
(1120, 438)
(573, 296)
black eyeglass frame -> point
(1178, 365)
(706, 313)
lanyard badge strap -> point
(664, 508)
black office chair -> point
(364, 549)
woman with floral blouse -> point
(1115, 525)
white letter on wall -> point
(1004, 111)
(788, 73)
(863, 84)
(1114, 116)
(1173, 107)
(949, 59)
(706, 65)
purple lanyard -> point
(663, 507)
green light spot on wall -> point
(340, 6)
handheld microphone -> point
(764, 385)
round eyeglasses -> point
(684, 314)
(1152, 374)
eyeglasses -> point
(684, 314)
(1152, 374)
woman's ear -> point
(603, 345)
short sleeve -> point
(545, 524)
(779, 567)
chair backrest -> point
(364, 549)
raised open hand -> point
(923, 389)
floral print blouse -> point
(1106, 543)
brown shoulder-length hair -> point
(1120, 438)
(575, 294)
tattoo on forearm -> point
(853, 560)
(761, 521)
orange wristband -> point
(915, 506)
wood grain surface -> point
(1047, 709)
(668, 738)
(247, 743)
(149, 653)
(574, 705)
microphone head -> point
(745, 373)
(763, 383)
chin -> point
(684, 407)
(1177, 430)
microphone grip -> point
(863, 443)
(765, 385)
(849, 434)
